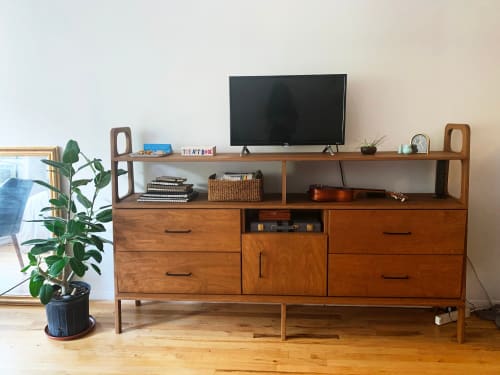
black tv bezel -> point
(320, 143)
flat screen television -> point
(287, 110)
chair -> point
(14, 194)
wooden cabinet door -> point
(284, 264)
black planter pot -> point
(68, 316)
(368, 150)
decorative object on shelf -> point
(369, 147)
(73, 245)
(325, 193)
(422, 143)
(249, 190)
(198, 151)
(153, 150)
(274, 214)
(155, 147)
(407, 148)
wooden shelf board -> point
(296, 156)
(300, 201)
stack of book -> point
(168, 189)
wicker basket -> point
(243, 191)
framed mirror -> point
(20, 202)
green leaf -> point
(102, 179)
(49, 186)
(25, 268)
(61, 249)
(70, 153)
(60, 202)
(97, 242)
(121, 172)
(56, 268)
(35, 285)
(96, 269)
(98, 165)
(81, 182)
(37, 241)
(57, 226)
(105, 216)
(78, 250)
(83, 199)
(42, 248)
(77, 266)
(96, 227)
(32, 259)
(76, 227)
(51, 259)
(62, 168)
(93, 254)
(46, 292)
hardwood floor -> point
(237, 339)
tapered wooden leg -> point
(137, 302)
(461, 324)
(18, 250)
(118, 316)
(283, 321)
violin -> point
(325, 193)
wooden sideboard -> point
(371, 251)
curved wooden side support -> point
(115, 133)
(442, 166)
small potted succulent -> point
(369, 147)
(73, 246)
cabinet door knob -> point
(177, 230)
(182, 274)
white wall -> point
(77, 68)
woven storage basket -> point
(248, 190)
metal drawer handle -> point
(405, 277)
(187, 274)
(178, 231)
(397, 233)
(260, 264)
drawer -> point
(172, 272)
(438, 276)
(397, 231)
(176, 230)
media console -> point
(372, 251)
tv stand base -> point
(329, 149)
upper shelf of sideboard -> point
(296, 156)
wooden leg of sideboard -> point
(118, 316)
(283, 321)
(137, 302)
(461, 324)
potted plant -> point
(73, 246)
(369, 147)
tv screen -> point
(287, 110)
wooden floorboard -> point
(244, 339)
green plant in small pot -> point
(73, 246)
(369, 147)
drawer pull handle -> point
(260, 264)
(397, 233)
(186, 274)
(405, 277)
(178, 231)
